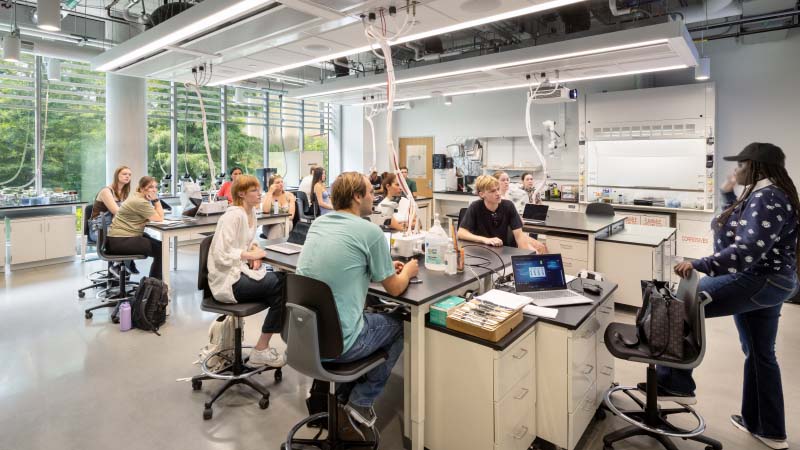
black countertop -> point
(198, 221)
(572, 317)
(575, 221)
(641, 235)
(559, 200)
(51, 205)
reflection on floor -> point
(74, 384)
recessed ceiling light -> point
(316, 48)
(480, 6)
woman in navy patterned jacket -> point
(752, 272)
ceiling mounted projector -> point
(550, 96)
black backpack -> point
(149, 306)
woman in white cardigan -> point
(235, 270)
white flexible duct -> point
(370, 112)
(212, 168)
(528, 127)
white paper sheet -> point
(416, 162)
(503, 298)
(533, 310)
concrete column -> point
(126, 125)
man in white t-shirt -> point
(305, 183)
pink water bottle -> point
(125, 316)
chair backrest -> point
(305, 211)
(87, 214)
(599, 209)
(315, 296)
(461, 213)
(102, 232)
(694, 305)
(202, 271)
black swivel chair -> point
(236, 372)
(100, 278)
(312, 332)
(599, 209)
(650, 419)
(304, 208)
(123, 294)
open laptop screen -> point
(535, 212)
(538, 273)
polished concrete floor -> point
(69, 383)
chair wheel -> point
(114, 319)
(88, 314)
(263, 403)
(278, 376)
(207, 414)
(197, 385)
(81, 294)
(600, 414)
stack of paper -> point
(505, 299)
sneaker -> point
(364, 415)
(777, 444)
(665, 395)
(267, 357)
(132, 267)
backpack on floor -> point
(149, 306)
(221, 340)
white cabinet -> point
(694, 238)
(568, 381)
(42, 238)
(477, 397)
(562, 206)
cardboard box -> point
(440, 310)
(494, 335)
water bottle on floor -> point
(125, 316)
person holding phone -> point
(126, 234)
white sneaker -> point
(267, 357)
(776, 444)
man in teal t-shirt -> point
(347, 253)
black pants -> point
(269, 291)
(140, 245)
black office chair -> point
(461, 213)
(236, 372)
(599, 209)
(100, 278)
(123, 294)
(650, 419)
(312, 332)
(304, 209)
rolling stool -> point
(123, 294)
(650, 419)
(312, 332)
(236, 372)
(99, 278)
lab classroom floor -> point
(79, 384)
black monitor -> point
(263, 175)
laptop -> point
(294, 244)
(535, 214)
(541, 278)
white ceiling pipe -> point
(48, 13)
(711, 10)
(53, 69)
(29, 33)
(11, 46)
(63, 50)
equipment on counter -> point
(408, 246)
(541, 278)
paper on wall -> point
(415, 161)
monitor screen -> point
(538, 273)
(535, 212)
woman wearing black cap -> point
(752, 272)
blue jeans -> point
(755, 303)
(380, 332)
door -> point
(59, 236)
(27, 240)
(417, 155)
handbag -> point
(660, 322)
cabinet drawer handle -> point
(522, 395)
(522, 432)
(589, 368)
(607, 371)
(566, 246)
(604, 311)
(521, 354)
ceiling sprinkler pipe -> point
(612, 5)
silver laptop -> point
(294, 244)
(541, 278)
(534, 214)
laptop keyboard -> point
(544, 295)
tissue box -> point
(440, 309)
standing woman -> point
(321, 197)
(236, 273)
(225, 189)
(529, 186)
(286, 202)
(126, 235)
(752, 272)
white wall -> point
(758, 99)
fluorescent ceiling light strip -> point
(504, 65)
(570, 80)
(412, 37)
(185, 32)
(399, 100)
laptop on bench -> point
(534, 214)
(294, 244)
(541, 278)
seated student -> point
(529, 186)
(225, 189)
(412, 185)
(489, 220)
(305, 183)
(347, 252)
(108, 200)
(126, 234)
(375, 180)
(286, 202)
(391, 186)
(321, 199)
(236, 272)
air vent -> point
(166, 12)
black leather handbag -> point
(660, 320)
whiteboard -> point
(666, 163)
